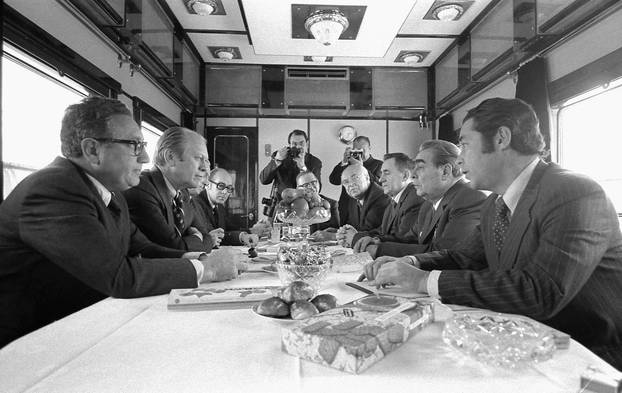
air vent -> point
(317, 73)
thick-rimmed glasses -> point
(139, 146)
(222, 186)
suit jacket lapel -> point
(162, 189)
(521, 218)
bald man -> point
(210, 204)
(365, 208)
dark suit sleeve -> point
(335, 175)
(375, 171)
(570, 240)
(64, 226)
(373, 218)
(462, 220)
(406, 230)
(193, 243)
(268, 173)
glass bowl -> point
(500, 340)
(313, 217)
(303, 262)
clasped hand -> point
(217, 235)
(249, 239)
(345, 234)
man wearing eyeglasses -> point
(66, 239)
(160, 204)
(210, 202)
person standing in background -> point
(287, 162)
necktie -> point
(178, 212)
(215, 213)
(113, 206)
(502, 222)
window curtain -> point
(532, 88)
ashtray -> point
(499, 340)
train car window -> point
(590, 138)
(150, 135)
(34, 98)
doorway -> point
(235, 150)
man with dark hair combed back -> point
(548, 246)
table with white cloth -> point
(138, 345)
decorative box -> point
(354, 336)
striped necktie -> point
(178, 211)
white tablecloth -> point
(139, 346)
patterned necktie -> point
(178, 212)
(502, 222)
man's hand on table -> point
(217, 235)
(249, 240)
(262, 228)
(345, 234)
(371, 269)
(404, 275)
(220, 265)
(362, 244)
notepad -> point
(218, 298)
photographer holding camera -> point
(287, 163)
(358, 153)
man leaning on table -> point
(66, 239)
(451, 210)
(160, 204)
(548, 246)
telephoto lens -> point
(293, 152)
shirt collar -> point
(437, 204)
(101, 190)
(515, 190)
(209, 200)
(171, 190)
(397, 197)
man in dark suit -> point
(160, 204)
(451, 210)
(366, 206)
(549, 244)
(210, 204)
(66, 239)
(288, 162)
(359, 152)
(401, 216)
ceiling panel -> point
(387, 28)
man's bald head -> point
(355, 179)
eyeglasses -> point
(312, 183)
(222, 186)
(139, 146)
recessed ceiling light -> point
(411, 57)
(448, 12)
(225, 54)
(203, 7)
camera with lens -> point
(293, 152)
(269, 206)
(356, 154)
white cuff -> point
(432, 283)
(413, 260)
(198, 266)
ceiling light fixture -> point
(411, 57)
(225, 54)
(318, 59)
(448, 12)
(326, 25)
(203, 7)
